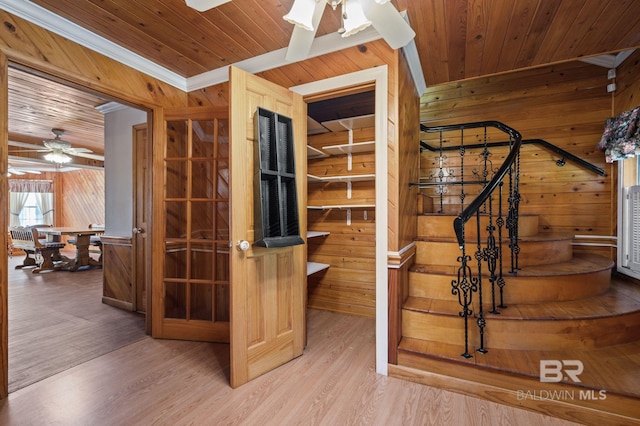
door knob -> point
(243, 245)
(138, 230)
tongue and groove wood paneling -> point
(565, 104)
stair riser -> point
(525, 335)
(517, 289)
(441, 226)
(531, 252)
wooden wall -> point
(349, 285)
(404, 167)
(565, 104)
(82, 201)
(627, 95)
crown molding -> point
(108, 107)
(63, 27)
(321, 46)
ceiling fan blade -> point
(28, 146)
(89, 155)
(74, 151)
(22, 171)
(204, 5)
(389, 23)
(301, 39)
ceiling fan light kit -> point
(356, 16)
(353, 18)
(302, 13)
(58, 157)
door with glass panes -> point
(191, 289)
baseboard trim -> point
(127, 306)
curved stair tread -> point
(542, 236)
(580, 264)
(622, 298)
(619, 377)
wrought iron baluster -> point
(500, 224)
(480, 257)
(463, 287)
(462, 152)
(512, 218)
(491, 256)
(442, 189)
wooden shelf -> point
(315, 153)
(359, 122)
(345, 178)
(313, 234)
(350, 148)
(313, 267)
(342, 206)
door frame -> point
(379, 77)
(61, 77)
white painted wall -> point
(118, 169)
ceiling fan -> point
(58, 150)
(356, 16)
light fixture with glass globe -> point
(57, 156)
(60, 151)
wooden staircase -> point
(559, 306)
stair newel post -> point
(500, 223)
(480, 256)
(464, 285)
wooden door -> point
(268, 285)
(190, 298)
(141, 208)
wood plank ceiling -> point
(456, 40)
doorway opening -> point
(374, 79)
(57, 319)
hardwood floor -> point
(57, 321)
(177, 382)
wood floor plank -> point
(57, 321)
(177, 382)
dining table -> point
(82, 240)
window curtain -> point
(45, 204)
(19, 190)
(22, 185)
(621, 136)
(16, 201)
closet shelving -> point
(347, 150)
